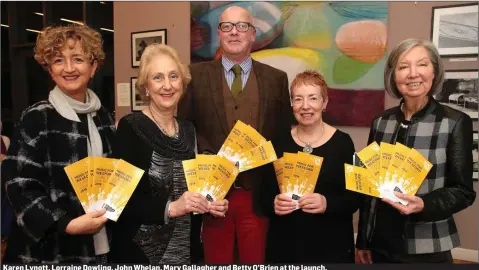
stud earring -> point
(147, 93)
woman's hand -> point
(313, 203)
(415, 204)
(219, 208)
(364, 256)
(89, 223)
(283, 204)
(187, 203)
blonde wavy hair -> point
(53, 39)
(147, 57)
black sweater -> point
(316, 238)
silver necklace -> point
(308, 148)
(175, 135)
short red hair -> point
(310, 77)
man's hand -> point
(219, 208)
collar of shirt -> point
(416, 116)
(245, 65)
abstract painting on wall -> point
(345, 41)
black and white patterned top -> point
(38, 188)
(141, 235)
(444, 136)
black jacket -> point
(444, 136)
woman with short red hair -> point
(321, 230)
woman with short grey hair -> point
(424, 230)
(406, 46)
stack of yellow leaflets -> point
(210, 175)
(104, 183)
(245, 147)
(388, 168)
(297, 174)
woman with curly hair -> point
(51, 225)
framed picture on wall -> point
(137, 104)
(460, 90)
(454, 29)
(140, 40)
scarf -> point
(68, 108)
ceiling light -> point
(106, 29)
(31, 30)
(4, 25)
(67, 20)
(38, 13)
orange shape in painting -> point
(364, 41)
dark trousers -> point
(381, 256)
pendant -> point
(308, 149)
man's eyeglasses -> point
(240, 26)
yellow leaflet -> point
(91, 181)
(370, 156)
(387, 151)
(205, 164)
(278, 169)
(215, 160)
(289, 161)
(413, 171)
(360, 180)
(252, 138)
(220, 180)
(257, 156)
(190, 168)
(303, 154)
(102, 170)
(400, 154)
(305, 175)
(230, 148)
(124, 180)
(78, 175)
(241, 139)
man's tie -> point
(237, 85)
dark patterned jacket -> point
(39, 190)
(444, 136)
